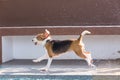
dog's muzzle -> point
(34, 42)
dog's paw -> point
(93, 66)
(44, 69)
(35, 61)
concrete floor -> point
(61, 67)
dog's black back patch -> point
(60, 46)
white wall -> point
(23, 48)
(7, 48)
(101, 47)
(104, 47)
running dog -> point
(56, 47)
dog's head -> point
(40, 38)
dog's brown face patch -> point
(40, 37)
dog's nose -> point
(32, 40)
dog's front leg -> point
(46, 68)
(45, 56)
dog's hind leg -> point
(89, 59)
(86, 56)
(80, 53)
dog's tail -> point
(82, 34)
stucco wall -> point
(59, 12)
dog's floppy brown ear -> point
(48, 32)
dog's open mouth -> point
(35, 43)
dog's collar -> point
(48, 40)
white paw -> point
(44, 69)
(35, 61)
(93, 66)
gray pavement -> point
(60, 67)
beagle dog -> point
(56, 47)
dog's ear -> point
(48, 32)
